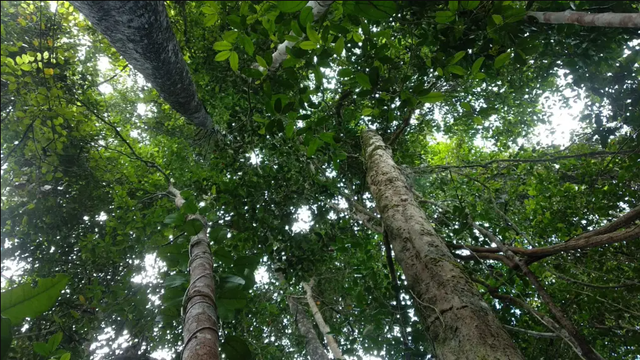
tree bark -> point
(631, 20)
(312, 344)
(200, 329)
(142, 34)
(324, 328)
(460, 324)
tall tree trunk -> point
(200, 329)
(460, 324)
(142, 34)
(324, 328)
(631, 20)
(312, 343)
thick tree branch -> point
(324, 328)
(630, 20)
(583, 347)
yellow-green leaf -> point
(233, 60)
(223, 55)
(222, 45)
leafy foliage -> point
(459, 84)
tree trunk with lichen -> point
(140, 31)
(200, 328)
(460, 324)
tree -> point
(545, 234)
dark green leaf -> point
(171, 218)
(290, 6)
(376, 10)
(230, 36)
(175, 280)
(339, 47)
(231, 281)
(313, 146)
(433, 97)
(24, 301)
(459, 55)
(456, 69)
(193, 226)
(223, 255)
(6, 338)
(232, 299)
(502, 59)
(41, 348)
(345, 73)
(363, 80)
(235, 348)
(306, 16)
(54, 341)
(477, 65)
(444, 17)
(189, 207)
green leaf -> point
(433, 97)
(459, 55)
(306, 16)
(231, 282)
(175, 280)
(223, 255)
(469, 5)
(367, 111)
(296, 29)
(363, 80)
(477, 65)
(290, 6)
(480, 76)
(54, 341)
(443, 17)
(247, 44)
(25, 301)
(375, 10)
(230, 36)
(233, 60)
(439, 71)
(497, 18)
(66, 356)
(345, 73)
(308, 45)
(189, 207)
(223, 55)
(313, 35)
(313, 146)
(41, 348)
(477, 120)
(261, 62)
(339, 46)
(193, 226)
(6, 338)
(466, 106)
(457, 69)
(232, 299)
(171, 218)
(453, 5)
(327, 137)
(502, 59)
(289, 129)
(222, 45)
(235, 348)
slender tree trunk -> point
(460, 324)
(299, 313)
(200, 329)
(324, 328)
(142, 34)
(631, 20)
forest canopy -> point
(322, 179)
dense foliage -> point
(455, 88)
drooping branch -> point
(324, 328)
(630, 20)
